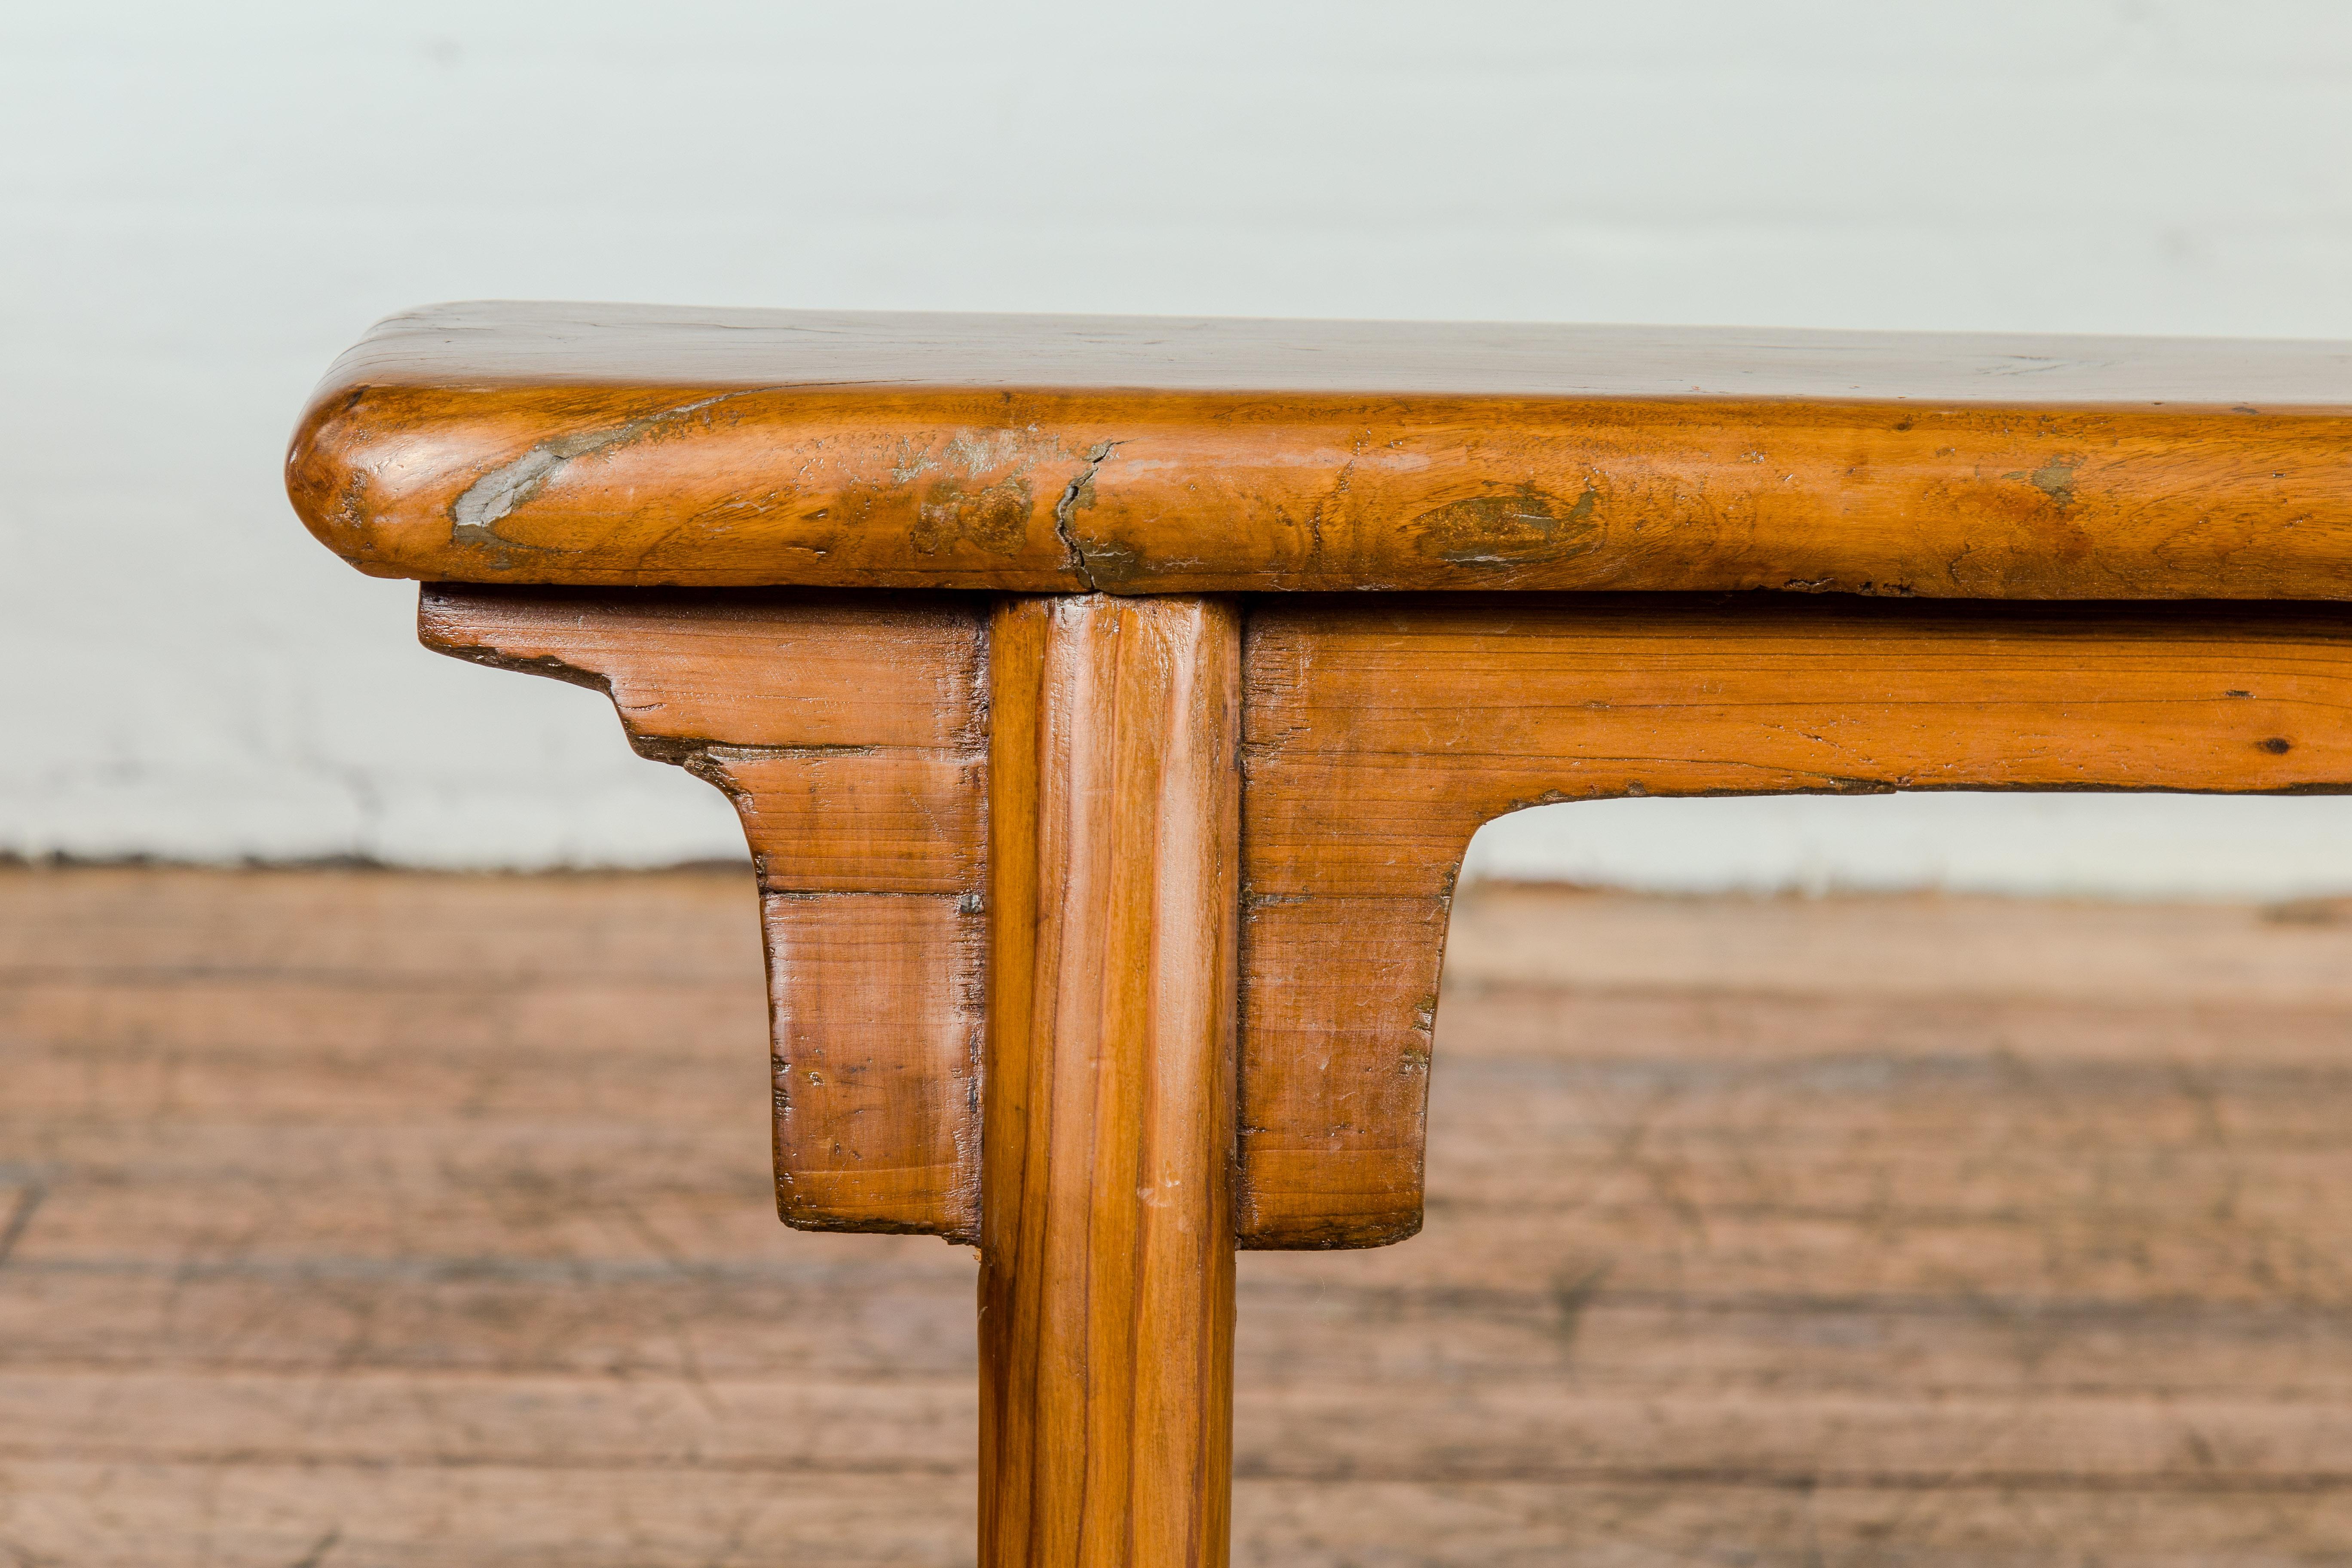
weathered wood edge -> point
(1046, 491)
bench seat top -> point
(639, 446)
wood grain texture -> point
(1107, 1278)
(631, 446)
(852, 738)
(1380, 734)
(423, 1215)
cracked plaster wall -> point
(200, 207)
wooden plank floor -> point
(354, 1218)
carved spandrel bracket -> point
(852, 732)
(1378, 733)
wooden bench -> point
(1109, 704)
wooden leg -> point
(1107, 1281)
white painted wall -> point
(200, 205)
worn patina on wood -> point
(629, 445)
(1120, 796)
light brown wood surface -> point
(1380, 733)
(631, 445)
(1111, 832)
(1107, 1258)
(405, 1220)
(852, 739)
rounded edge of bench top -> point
(636, 446)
